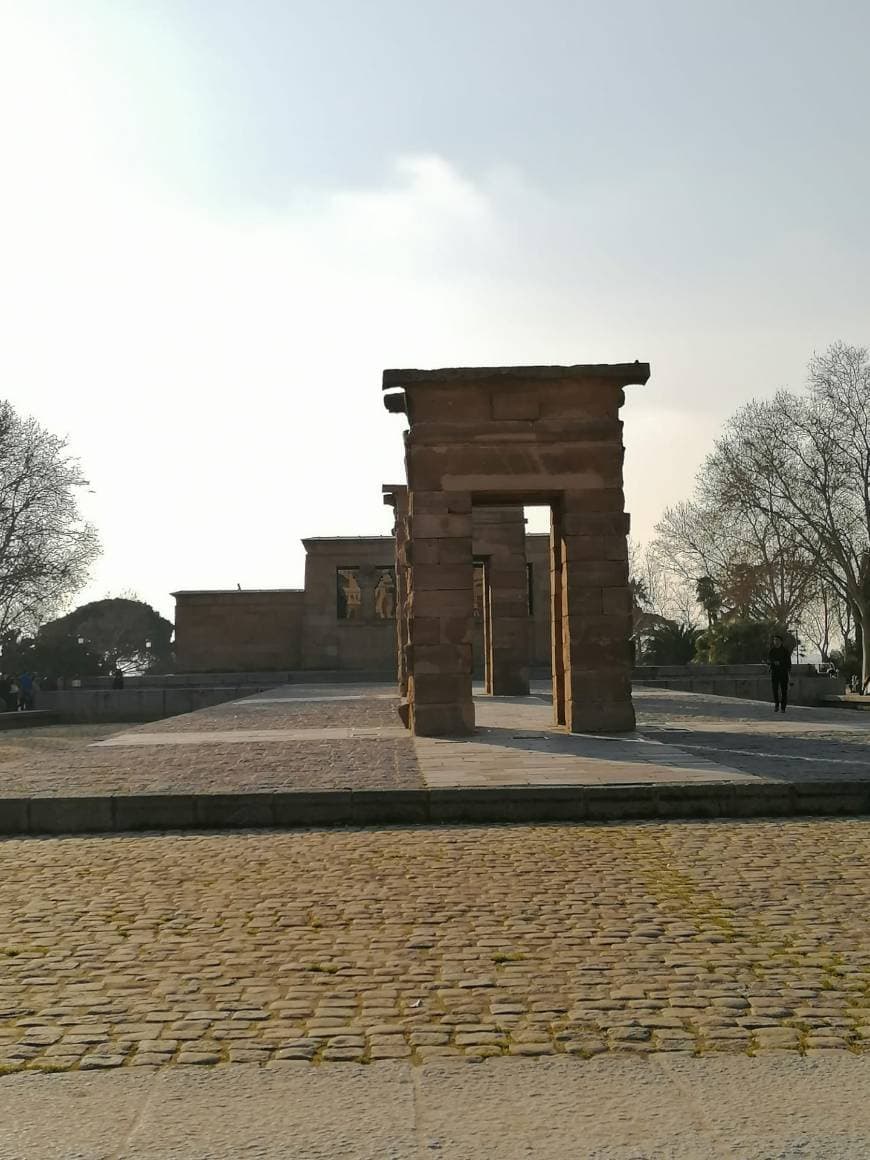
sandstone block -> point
(603, 460)
(600, 717)
(510, 605)
(424, 630)
(595, 523)
(426, 467)
(435, 659)
(595, 573)
(452, 552)
(582, 600)
(439, 527)
(617, 601)
(455, 630)
(591, 650)
(442, 577)
(603, 686)
(455, 719)
(615, 548)
(594, 500)
(457, 404)
(515, 404)
(440, 602)
(435, 689)
(580, 399)
(439, 502)
(510, 573)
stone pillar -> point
(557, 619)
(596, 612)
(396, 495)
(499, 537)
(441, 612)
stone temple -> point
(461, 589)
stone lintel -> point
(393, 493)
(620, 374)
(330, 544)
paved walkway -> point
(615, 985)
(333, 738)
(666, 1108)
(516, 744)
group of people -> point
(16, 693)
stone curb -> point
(598, 803)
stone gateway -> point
(503, 437)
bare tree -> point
(721, 544)
(804, 462)
(46, 548)
(671, 595)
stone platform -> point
(337, 755)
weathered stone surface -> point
(473, 435)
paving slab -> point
(317, 754)
(615, 1109)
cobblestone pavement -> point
(259, 765)
(418, 943)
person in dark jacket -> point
(780, 671)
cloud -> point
(218, 372)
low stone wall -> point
(137, 704)
(747, 682)
(266, 679)
(27, 720)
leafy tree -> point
(671, 643)
(46, 548)
(124, 633)
(48, 659)
(740, 642)
(848, 660)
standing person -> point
(117, 679)
(25, 691)
(8, 702)
(780, 671)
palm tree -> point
(671, 643)
(709, 598)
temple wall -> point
(273, 629)
(238, 631)
(349, 613)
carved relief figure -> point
(348, 594)
(385, 594)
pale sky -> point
(220, 219)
